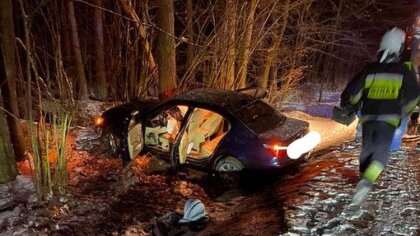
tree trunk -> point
(65, 36)
(77, 52)
(328, 66)
(273, 50)
(166, 49)
(101, 84)
(128, 8)
(133, 68)
(246, 43)
(273, 83)
(8, 169)
(230, 32)
(190, 33)
(8, 77)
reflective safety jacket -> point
(383, 92)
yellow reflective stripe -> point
(394, 122)
(383, 93)
(391, 119)
(356, 98)
(373, 171)
(409, 65)
(411, 105)
(382, 77)
(383, 85)
(369, 80)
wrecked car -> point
(217, 130)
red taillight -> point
(276, 150)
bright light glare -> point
(99, 121)
(303, 145)
(278, 148)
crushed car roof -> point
(223, 99)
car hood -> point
(288, 129)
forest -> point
(58, 55)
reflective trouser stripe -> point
(409, 65)
(392, 119)
(373, 171)
(356, 98)
(411, 106)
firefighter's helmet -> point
(392, 43)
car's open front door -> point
(202, 134)
(135, 137)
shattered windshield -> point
(260, 117)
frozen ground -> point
(106, 199)
(318, 114)
(316, 201)
(311, 106)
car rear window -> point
(260, 117)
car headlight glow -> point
(99, 121)
(303, 145)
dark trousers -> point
(376, 140)
(414, 117)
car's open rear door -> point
(135, 137)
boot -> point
(362, 191)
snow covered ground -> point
(106, 199)
(318, 114)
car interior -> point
(162, 129)
(204, 131)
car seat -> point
(208, 147)
(163, 134)
(203, 127)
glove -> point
(348, 110)
(343, 115)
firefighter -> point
(384, 91)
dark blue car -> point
(207, 128)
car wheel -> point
(228, 171)
(229, 164)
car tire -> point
(229, 164)
(229, 171)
